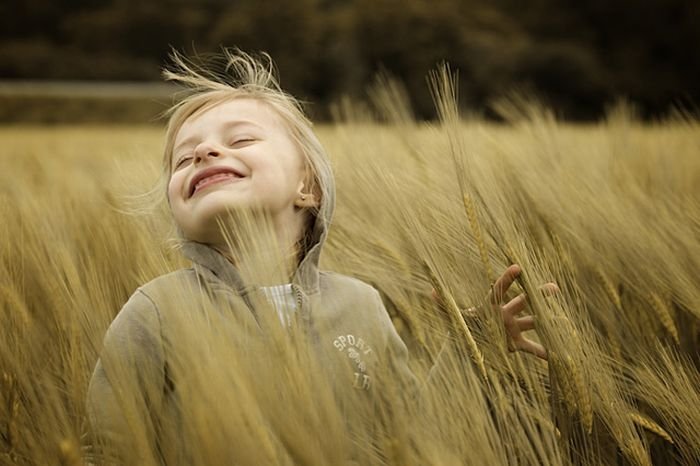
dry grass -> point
(610, 211)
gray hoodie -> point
(345, 318)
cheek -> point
(279, 181)
(176, 202)
(174, 188)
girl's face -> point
(238, 154)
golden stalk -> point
(651, 426)
(664, 314)
(609, 288)
(472, 216)
(456, 316)
(583, 398)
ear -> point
(305, 200)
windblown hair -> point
(245, 76)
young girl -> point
(244, 170)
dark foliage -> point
(577, 56)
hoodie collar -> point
(306, 275)
(208, 258)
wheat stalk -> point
(650, 425)
(456, 316)
(582, 395)
(609, 288)
(470, 209)
(664, 315)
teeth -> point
(216, 177)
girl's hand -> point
(515, 326)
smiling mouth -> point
(216, 178)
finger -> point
(501, 286)
(531, 347)
(526, 323)
(516, 305)
(550, 289)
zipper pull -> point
(298, 297)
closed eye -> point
(182, 161)
(242, 142)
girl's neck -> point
(263, 263)
(265, 249)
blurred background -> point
(100, 60)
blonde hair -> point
(245, 76)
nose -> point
(205, 150)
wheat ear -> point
(454, 312)
(651, 426)
(470, 210)
(609, 288)
(664, 314)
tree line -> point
(576, 56)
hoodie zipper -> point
(299, 300)
(298, 296)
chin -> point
(202, 223)
(215, 204)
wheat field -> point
(610, 211)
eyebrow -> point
(223, 128)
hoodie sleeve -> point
(397, 351)
(127, 385)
